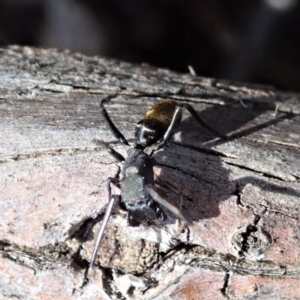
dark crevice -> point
(4, 244)
(297, 177)
(77, 262)
(238, 194)
(181, 246)
(245, 246)
(83, 230)
(223, 290)
(54, 91)
(256, 220)
(250, 229)
(110, 288)
(109, 285)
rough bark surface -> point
(241, 193)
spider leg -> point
(170, 131)
(199, 119)
(176, 120)
(118, 156)
(114, 130)
(107, 215)
(156, 197)
(176, 191)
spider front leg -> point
(176, 119)
(114, 130)
(199, 119)
(115, 154)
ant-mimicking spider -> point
(138, 194)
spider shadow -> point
(195, 167)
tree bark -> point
(242, 193)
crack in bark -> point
(52, 256)
(250, 241)
(194, 256)
(260, 172)
(290, 145)
(238, 193)
(249, 230)
(46, 257)
(278, 212)
(207, 151)
(223, 290)
(50, 152)
(198, 256)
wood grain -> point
(241, 193)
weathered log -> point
(242, 193)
